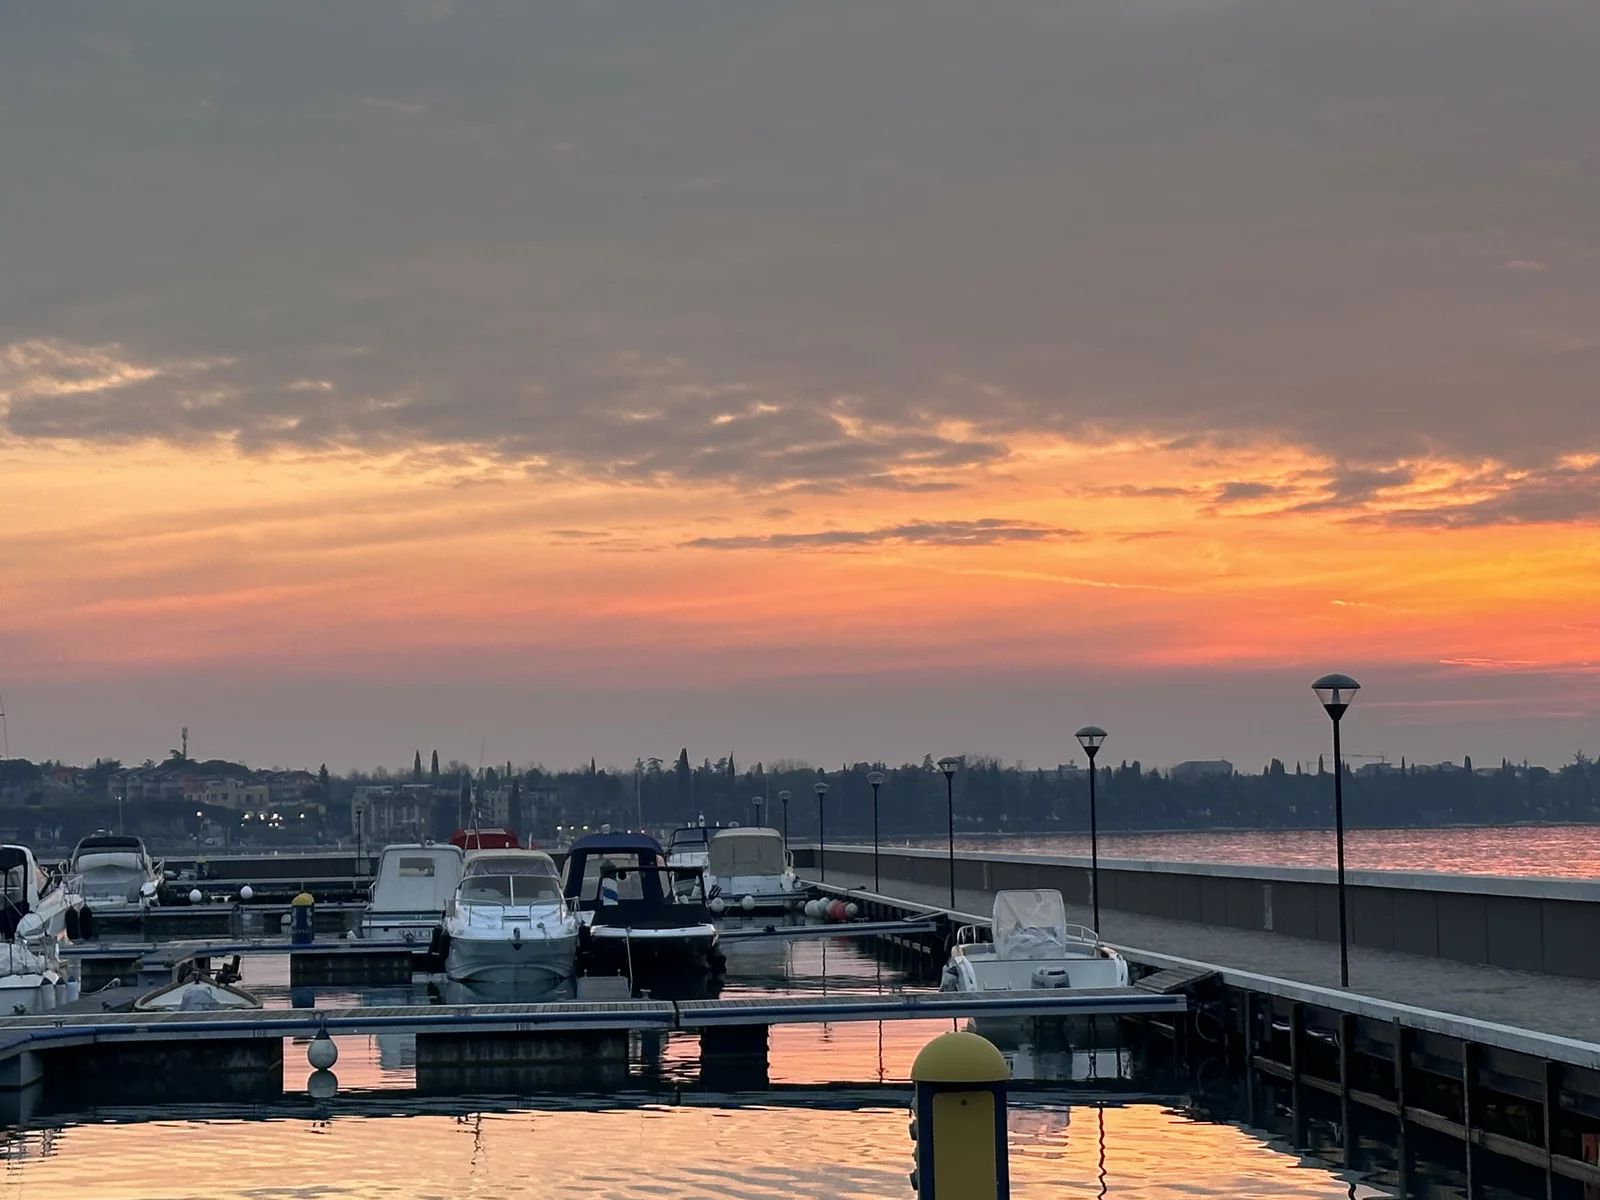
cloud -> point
(1524, 264)
(463, 231)
(1239, 490)
(986, 532)
(1355, 487)
(1565, 494)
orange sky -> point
(594, 384)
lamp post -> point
(1090, 737)
(876, 780)
(756, 800)
(1336, 692)
(821, 789)
(948, 767)
(783, 798)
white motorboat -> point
(689, 846)
(1033, 947)
(749, 869)
(34, 977)
(508, 922)
(115, 875)
(415, 886)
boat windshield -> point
(510, 889)
(512, 864)
(693, 838)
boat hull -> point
(652, 952)
(536, 962)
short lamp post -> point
(876, 780)
(821, 789)
(948, 767)
(1336, 692)
(783, 799)
(757, 802)
(1090, 737)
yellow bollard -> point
(959, 1120)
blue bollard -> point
(959, 1120)
(302, 920)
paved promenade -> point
(1544, 1003)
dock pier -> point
(1472, 1052)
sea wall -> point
(1526, 924)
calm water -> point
(828, 1121)
(1565, 851)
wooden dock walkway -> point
(622, 1015)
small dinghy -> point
(202, 991)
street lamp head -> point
(821, 789)
(875, 778)
(1336, 692)
(784, 796)
(1090, 737)
(757, 799)
(949, 766)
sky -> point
(831, 382)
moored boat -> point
(414, 887)
(508, 922)
(1033, 946)
(201, 991)
(116, 875)
(749, 869)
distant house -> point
(1368, 770)
(1203, 768)
(240, 795)
(1068, 770)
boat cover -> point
(416, 879)
(746, 852)
(1030, 924)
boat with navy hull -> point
(509, 924)
(643, 918)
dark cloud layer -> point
(1560, 495)
(989, 531)
(803, 246)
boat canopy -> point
(503, 862)
(416, 879)
(509, 889)
(106, 843)
(694, 836)
(1030, 924)
(746, 852)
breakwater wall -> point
(1522, 923)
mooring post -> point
(959, 1120)
(1552, 1119)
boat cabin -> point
(747, 852)
(20, 881)
(623, 858)
(416, 879)
(510, 877)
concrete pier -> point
(1550, 1004)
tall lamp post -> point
(1090, 738)
(756, 800)
(1336, 692)
(783, 798)
(948, 767)
(876, 780)
(821, 789)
